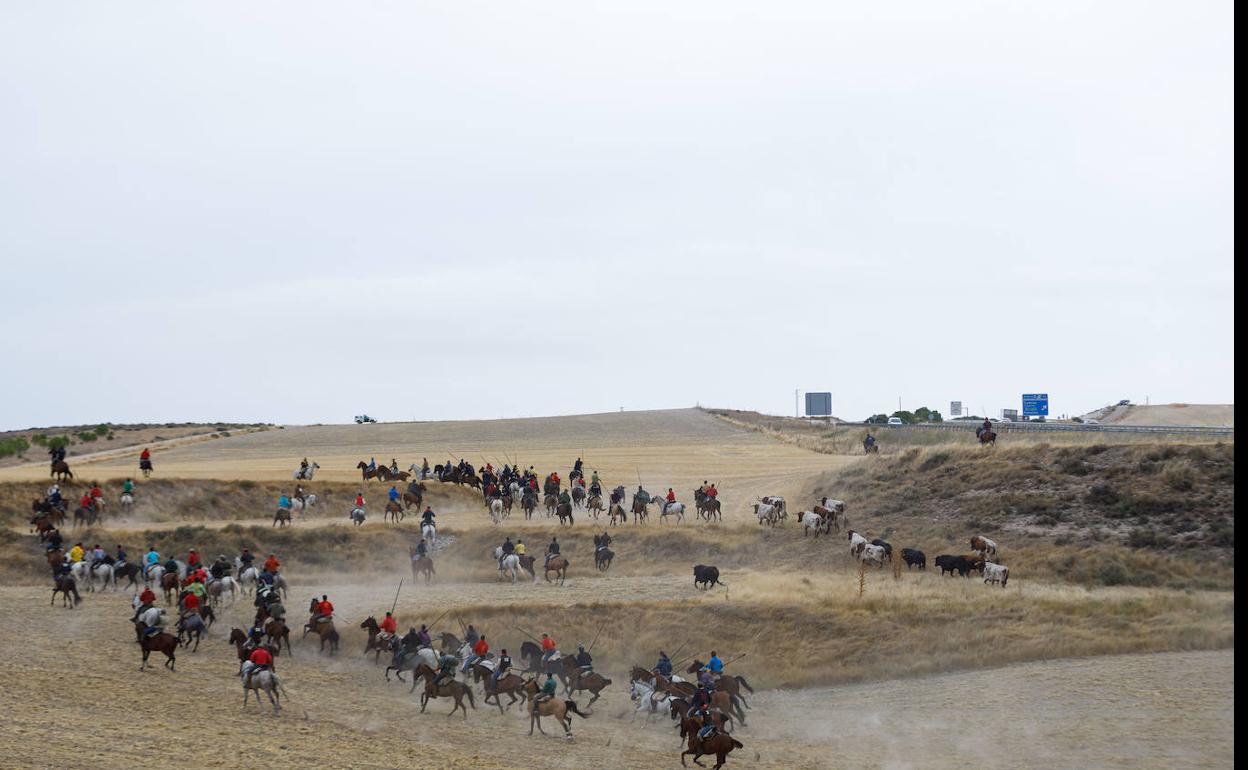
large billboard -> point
(955, 408)
(818, 404)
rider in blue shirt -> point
(715, 665)
(153, 556)
(394, 495)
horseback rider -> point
(702, 710)
(275, 608)
(548, 648)
(407, 645)
(324, 610)
(565, 498)
(85, 500)
(272, 565)
(54, 497)
(147, 600)
(552, 550)
(303, 468)
(583, 659)
(76, 553)
(500, 670)
(664, 667)
(508, 549)
(152, 557)
(55, 541)
(219, 568)
(245, 559)
(98, 555)
(446, 669)
(192, 560)
(715, 666)
(422, 549)
(422, 636)
(372, 465)
(394, 494)
(97, 495)
(577, 467)
(520, 548)
(145, 458)
(479, 650)
(120, 558)
(642, 494)
(471, 636)
(549, 687)
(712, 492)
(188, 604)
(427, 517)
(394, 466)
(127, 486)
(299, 495)
(260, 660)
(413, 487)
(424, 468)
(387, 629)
(359, 500)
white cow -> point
(781, 506)
(986, 548)
(811, 520)
(766, 513)
(856, 543)
(873, 554)
(996, 573)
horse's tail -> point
(741, 681)
(736, 744)
(572, 709)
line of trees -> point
(922, 414)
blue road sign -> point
(1035, 404)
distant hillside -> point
(1178, 498)
(31, 444)
(1203, 415)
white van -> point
(895, 421)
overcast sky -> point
(299, 212)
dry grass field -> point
(915, 670)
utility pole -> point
(796, 412)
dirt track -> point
(82, 696)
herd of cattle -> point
(828, 515)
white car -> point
(1090, 421)
(895, 421)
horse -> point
(325, 630)
(306, 504)
(556, 707)
(61, 471)
(425, 656)
(729, 684)
(430, 533)
(708, 507)
(86, 516)
(306, 474)
(719, 744)
(146, 467)
(374, 645)
(218, 587)
(496, 509)
(647, 698)
(164, 642)
(594, 505)
(672, 509)
(67, 587)
(986, 437)
(528, 503)
(551, 502)
(508, 684)
(587, 680)
(512, 563)
(411, 499)
(617, 511)
(578, 496)
(239, 640)
(102, 572)
(559, 565)
(188, 626)
(640, 513)
(564, 511)
(602, 558)
(127, 501)
(366, 473)
(452, 689)
(422, 565)
(394, 509)
(247, 580)
(281, 516)
(169, 585)
(264, 680)
(357, 516)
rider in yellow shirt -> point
(76, 553)
(519, 547)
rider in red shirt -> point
(190, 603)
(712, 492)
(325, 607)
(145, 455)
(548, 647)
(192, 559)
(147, 597)
(480, 648)
(85, 502)
(261, 660)
(271, 564)
(389, 625)
(671, 496)
(96, 491)
(359, 500)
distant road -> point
(1066, 427)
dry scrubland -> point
(792, 607)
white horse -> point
(496, 510)
(429, 533)
(676, 509)
(217, 588)
(357, 515)
(104, 574)
(300, 473)
(263, 680)
(308, 502)
(510, 564)
(127, 501)
(247, 580)
(648, 700)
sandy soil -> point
(1207, 415)
(81, 695)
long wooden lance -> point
(396, 596)
(591, 644)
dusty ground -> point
(81, 695)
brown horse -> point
(423, 566)
(277, 632)
(55, 558)
(452, 689)
(551, 502)
(564, 511)
(528, 503)
(375, 644)
(66, 586)
(385, 474)
(581, 680)
(61, 471)
(325, 630)
(555, 707)
(729, 684)
(163, 642)
(594, 505)
(366, 473)
(640, 513)
(414, 498)
(281, 516)
(719, 744)
(169, 584)
(86, 516)
(987, 437)
(558, 565)
(509, 685)
(617, 511)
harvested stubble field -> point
(867, 666)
